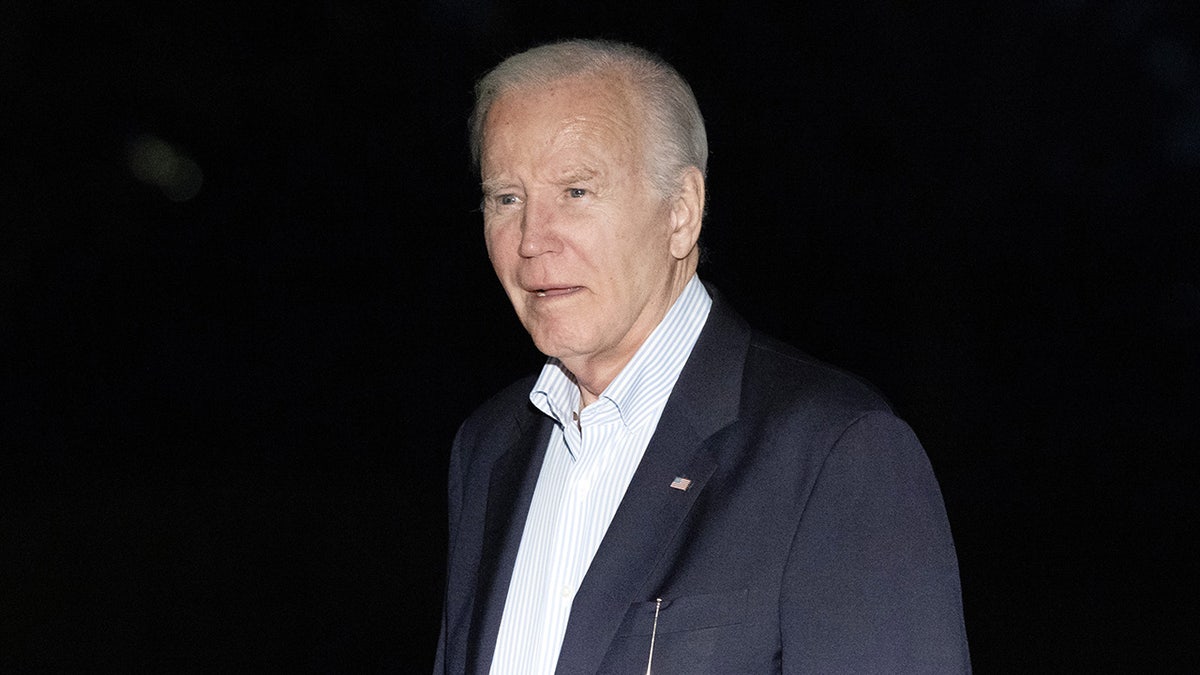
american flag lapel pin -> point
(681, 483)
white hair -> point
(673, 126)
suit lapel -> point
(705, 399)
(510, 491)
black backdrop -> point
(244, 303)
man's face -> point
(578, 236)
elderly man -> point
(674, 493)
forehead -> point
(592, 115)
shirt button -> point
(565, 592)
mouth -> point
(555, 292)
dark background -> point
(226, 413)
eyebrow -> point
(578, 174)
(493, 185)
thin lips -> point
(543, 290)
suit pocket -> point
(685, 613)
(692, 633)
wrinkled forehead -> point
(589, 114)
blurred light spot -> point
(156, 162)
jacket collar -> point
(510, 492)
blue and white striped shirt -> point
(583, 479)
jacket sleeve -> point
(454, 509)
(871, 584)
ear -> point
(687, 212)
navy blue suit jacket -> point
(813, 537)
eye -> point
(576, 193)
(506, 199)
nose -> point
(539, 228)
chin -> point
(552, 348)
(555, 345)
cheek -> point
(493, 240)
(490, 243)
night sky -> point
(244, 303)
